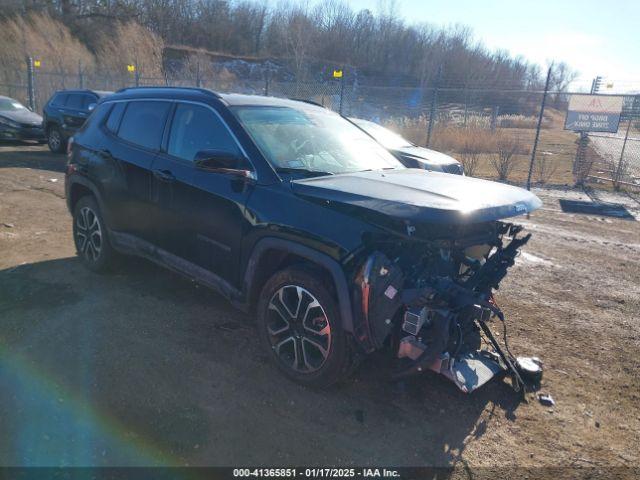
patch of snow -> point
(529, 257)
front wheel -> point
(55, 140)
(300, 326)
(90, 236)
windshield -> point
(384, 136)
(312, 140)
(10, 105)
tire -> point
(56, 141)
(90, 236)
(309, 344)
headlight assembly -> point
(9, 123)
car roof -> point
(237, 99)
(99, 93)
(193, 93)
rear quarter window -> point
(113, 122)
(143, 123)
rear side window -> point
(115, 116)
(75, 101)
(59, 99)
(143, 123)
(195, 128)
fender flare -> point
(78, 180)
(319, 258)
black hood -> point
(419, 196)
(22, 116)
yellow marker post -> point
(131, 68)
(37, 63)
(337, 74)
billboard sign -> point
(593, 113)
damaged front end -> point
(431, 301)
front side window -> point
(143, 123)
(312, 139)
(196, 128)
(88, 100)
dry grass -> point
(198, 64)
(130, 43)
(43, 38)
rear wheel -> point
(300, 326)
(90, 236)
(55, 139)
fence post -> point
(341, 90)
(80, 75)
(624, 145)
(535, 141)
(198, 73)
(432, 109)
(31, 89)
(267, 75)
(136, 74)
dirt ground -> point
(143, 367)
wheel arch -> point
(79, 187)
(272, 254)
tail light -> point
(69, 148)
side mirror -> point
(222, 162)
(91, 106)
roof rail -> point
(310, 102)
(201, 90)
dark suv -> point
(65, 112)
(295, 214)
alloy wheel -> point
(298, 328)
(54, 139)
(88, 234)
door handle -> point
(164, 175)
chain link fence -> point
(491, 131)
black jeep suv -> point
(65, 112)
(294, 213)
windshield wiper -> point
(304, 171)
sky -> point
(594, 37)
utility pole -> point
(539, 125)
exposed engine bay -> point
(430, 300)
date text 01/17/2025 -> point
(315, 472)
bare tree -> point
(505, 160)
(544, 168)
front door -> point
(202, 213)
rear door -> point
(202, 212)
(134, 133)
